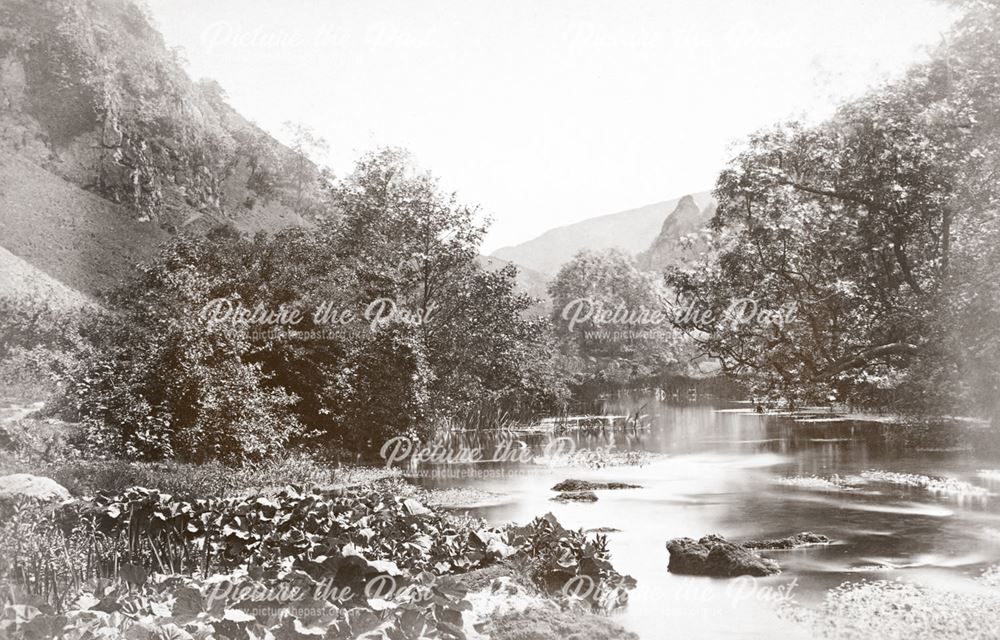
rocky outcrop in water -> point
(586, 485)
(713, 555)
(576, 496)
(804, 539)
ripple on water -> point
(901, 508)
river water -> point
(719, 468)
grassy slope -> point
(20, 280)
(69, 234)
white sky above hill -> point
(546, 112)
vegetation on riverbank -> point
(374, 323)
(901, 610)
(294, 563)
(879, 229)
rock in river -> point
(804, 539)
(576, 496)
(586, 485)
(715, 556)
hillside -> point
(19, 280)
(90, 92)
(631, 231)
(76, 237)
(107, 147)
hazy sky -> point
(546, 112)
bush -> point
(557, 557)
(159, 381)
(37, 342)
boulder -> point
(804, 539)
(729, 559)
(586, 485)
(25, 485)
(687, 556)
(715, 556)
(576, 496)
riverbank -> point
(170, 533)
(338, 561)
(897, 509)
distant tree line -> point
(613, 324)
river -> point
(718, 468)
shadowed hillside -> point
(107, 147)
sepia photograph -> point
(499, 319)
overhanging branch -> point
(866, 357)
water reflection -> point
(750, 476)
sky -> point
(546, 112)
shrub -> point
(160, 381)
(37, 341)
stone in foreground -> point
(25, 485)
(576, 496)
(715, 556)
(586, 485)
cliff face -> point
(107, 146)
(90, 92)
(680, 237)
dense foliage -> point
(407, 241)
(37, 340)
(879, 228)
(296, 564)
(377, 323)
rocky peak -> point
(668, 247)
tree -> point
(605, 308)
(410, 243)
(382, 390)
(868, 226)
(305, 146)
(159, 379)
